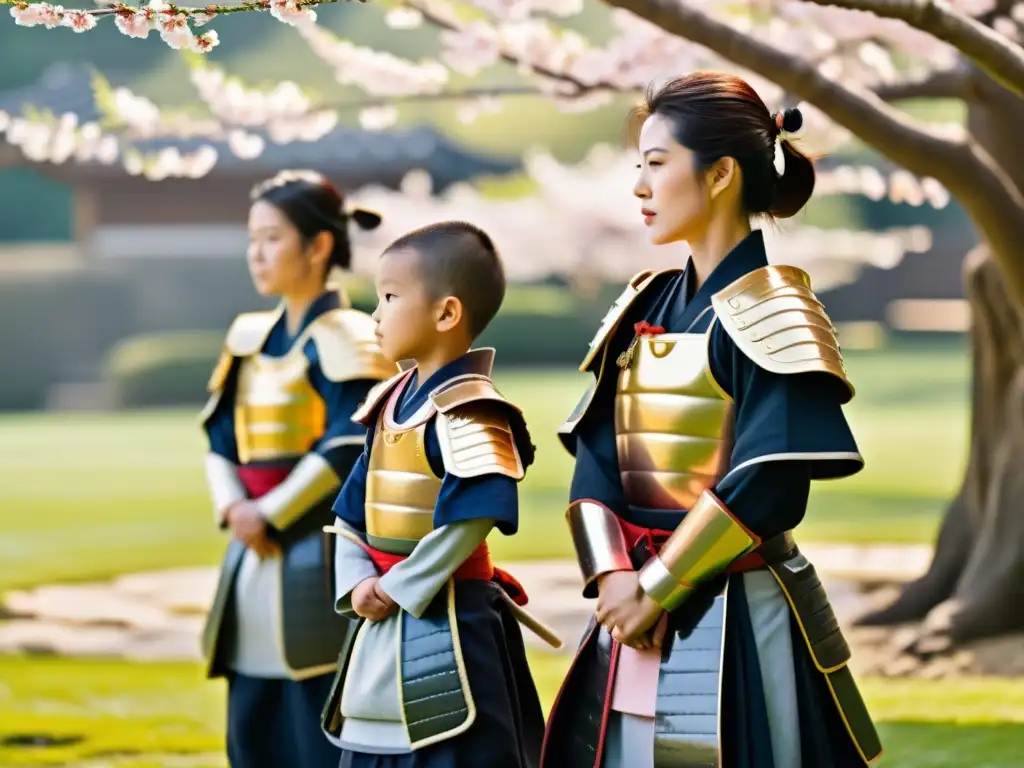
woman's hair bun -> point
(792, 120)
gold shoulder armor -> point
(775, 319)
(365, 413)
(346, 343)
(247, 334)
(611, 320)
(479, 431)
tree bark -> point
(965, 594)
(975, 584)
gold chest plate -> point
(278, 414)
(401, 488)
(672, 422)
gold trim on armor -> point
(225, 487)
(365, 412)
(600, 545)
(849, 727)
(310, 480)
(700, 548)
(460, 667)
(776, 320)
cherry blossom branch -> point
(977, 181)
(175, 23)
(953, 83)
(998, 56)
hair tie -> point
(366, 219)
(786, 121)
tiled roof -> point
(345, 151)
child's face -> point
(407, 322)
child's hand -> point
(384, 597)
(366, 601)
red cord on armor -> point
(643, 328)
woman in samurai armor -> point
(716, 400)
(281, 441)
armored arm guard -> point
(774, 318)
(245, 336)
(310, 480)
(700, 548)
(479, 431)
(225, 487)
(600, 545)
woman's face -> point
(279, 262)
(675, 199)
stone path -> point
(159, 615)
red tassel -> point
(643, 328)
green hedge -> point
(162, 369)
(56, 327)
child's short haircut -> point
(459, 259)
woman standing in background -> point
(281, 441)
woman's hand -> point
(250, 527)
(626, 611)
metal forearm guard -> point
(310, 480)
(704, 544)
(600, 546)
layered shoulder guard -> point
(636, 286)
(479, 431)
(375, 398)
(775, 319)
(346, 344)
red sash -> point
(477, 566)
(655, 538)
(260, 480)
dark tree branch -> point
(954, 83)
(962, 166)
(1000, 57)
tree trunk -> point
(974, 586)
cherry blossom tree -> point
(849, 63)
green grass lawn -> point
(139, 714)
(89, 496)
